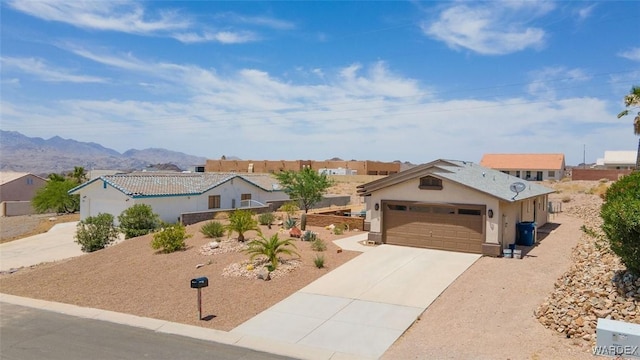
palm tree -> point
(79, 174)
(241, 221)
(632, 100)
(271, 248)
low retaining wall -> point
(327, 201)
(16, 208)
(597, 174)
(198, 216)
(326, 220)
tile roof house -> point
(537, 167)
(16, 191)
(452, 205)
(173, 194)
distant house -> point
(618, 160)
(452, 205)
(16, 191)
(536, 167)
(173, 194)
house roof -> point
(523, 161)
(175, 184)
(466, 173)
(9, 176)
(620, 157)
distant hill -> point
(39, 156)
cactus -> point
(303, 222)
(290, 222)
(309, 236)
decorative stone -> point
(295, 232)
(214, 245)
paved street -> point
(27, 333)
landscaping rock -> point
(295, 232)
(214, 245)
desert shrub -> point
(138, 220)
(96, 232)
(621, 220)
(319, 261)
(170, 239)
(241, 221)
(290, 222)
(340, 229)
(566, 199)
(309, 236)
(213, 229)
(318, 245)
(290, 208)
(266, 218)
(270, 248)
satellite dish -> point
(517, 187)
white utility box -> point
(617, 338)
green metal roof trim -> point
(141, 185)
(489, 181)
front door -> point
(539, 176)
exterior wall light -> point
(376, 206)
(490, 213)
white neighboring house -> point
(172, 194)
(618, 160)
(452, 205)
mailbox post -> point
(199, 283)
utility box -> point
(200, 282)
(617, 338)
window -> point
(397, 207)
(518, 173)
(245, 197)
(29, 181)
(551, 174)
(443, 210)
(430, 183)
(469, 212)
(527, 175)
(199, 169)
(214, 202)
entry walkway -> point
(362, 307)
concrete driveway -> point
(56, 244)
(359, 309)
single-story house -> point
(537, 167)
(16, 191)
(452, 205)
(618, 160)
(171, 195)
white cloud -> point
(493, 28)
(223, 37)
(39, 69)
(265, 21)
(631, 54)
(585, 12)
(123, 16)
(546, 82)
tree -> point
(138, 220)
(631, 101)
(621, 220)
(241, 221)
(96, 232)
(271, 248)
(306, 186)
(54, 196)
(78, 174)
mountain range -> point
(57, 155)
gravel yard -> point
(17, 227)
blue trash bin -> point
(525, 233)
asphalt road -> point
(27, 333)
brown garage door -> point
(434, 226)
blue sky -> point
(410, 81)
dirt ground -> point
(487, 313)
(18, 227)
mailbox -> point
(200, 282)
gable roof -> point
(9, 176)
(175, 184)
(466, 173)
(523, 161)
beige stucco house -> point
(171, 195)
(536, 167)
(452, 205)
(16, 191)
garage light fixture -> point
(490, 213)
(376, 206)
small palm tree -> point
(632, 101)
(241, 221)
(271, 248)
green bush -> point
(170, 239)
(241, 221)
(96, 232)
(212, 229)
(318, 245)
(319, 261)
(290, 208)
(338, 229)
(266, 218)
(138, 220)
(621, 220)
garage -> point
(453, 227)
